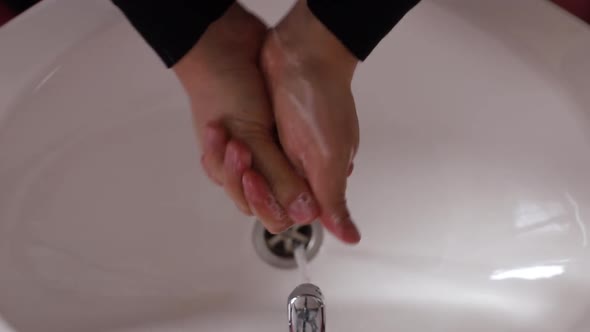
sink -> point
(471, 185)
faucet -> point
(306, 309)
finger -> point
(350, 169)
(330, 189)
(290, 189)
(209, 172)
(215, 141)
(341, 225)
(237, 159)
(263, 203)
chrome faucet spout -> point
(306, 309)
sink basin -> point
(471, 188)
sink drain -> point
(278, 250)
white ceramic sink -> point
(472, 185)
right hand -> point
(309, 73)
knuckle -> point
(249, 130)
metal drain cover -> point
(278, 249)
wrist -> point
(231, 42)
(302, 38)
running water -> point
(302, 263)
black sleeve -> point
(172, 27)
(360, 24)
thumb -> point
(330, 191)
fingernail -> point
(276, 208)
(279, 228)
(304, 209)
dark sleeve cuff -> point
(172, 27)
(360, 24)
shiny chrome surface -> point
(307, 309)
(278, 250)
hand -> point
(235, 125)
(309, 73)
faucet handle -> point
(306, 308)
